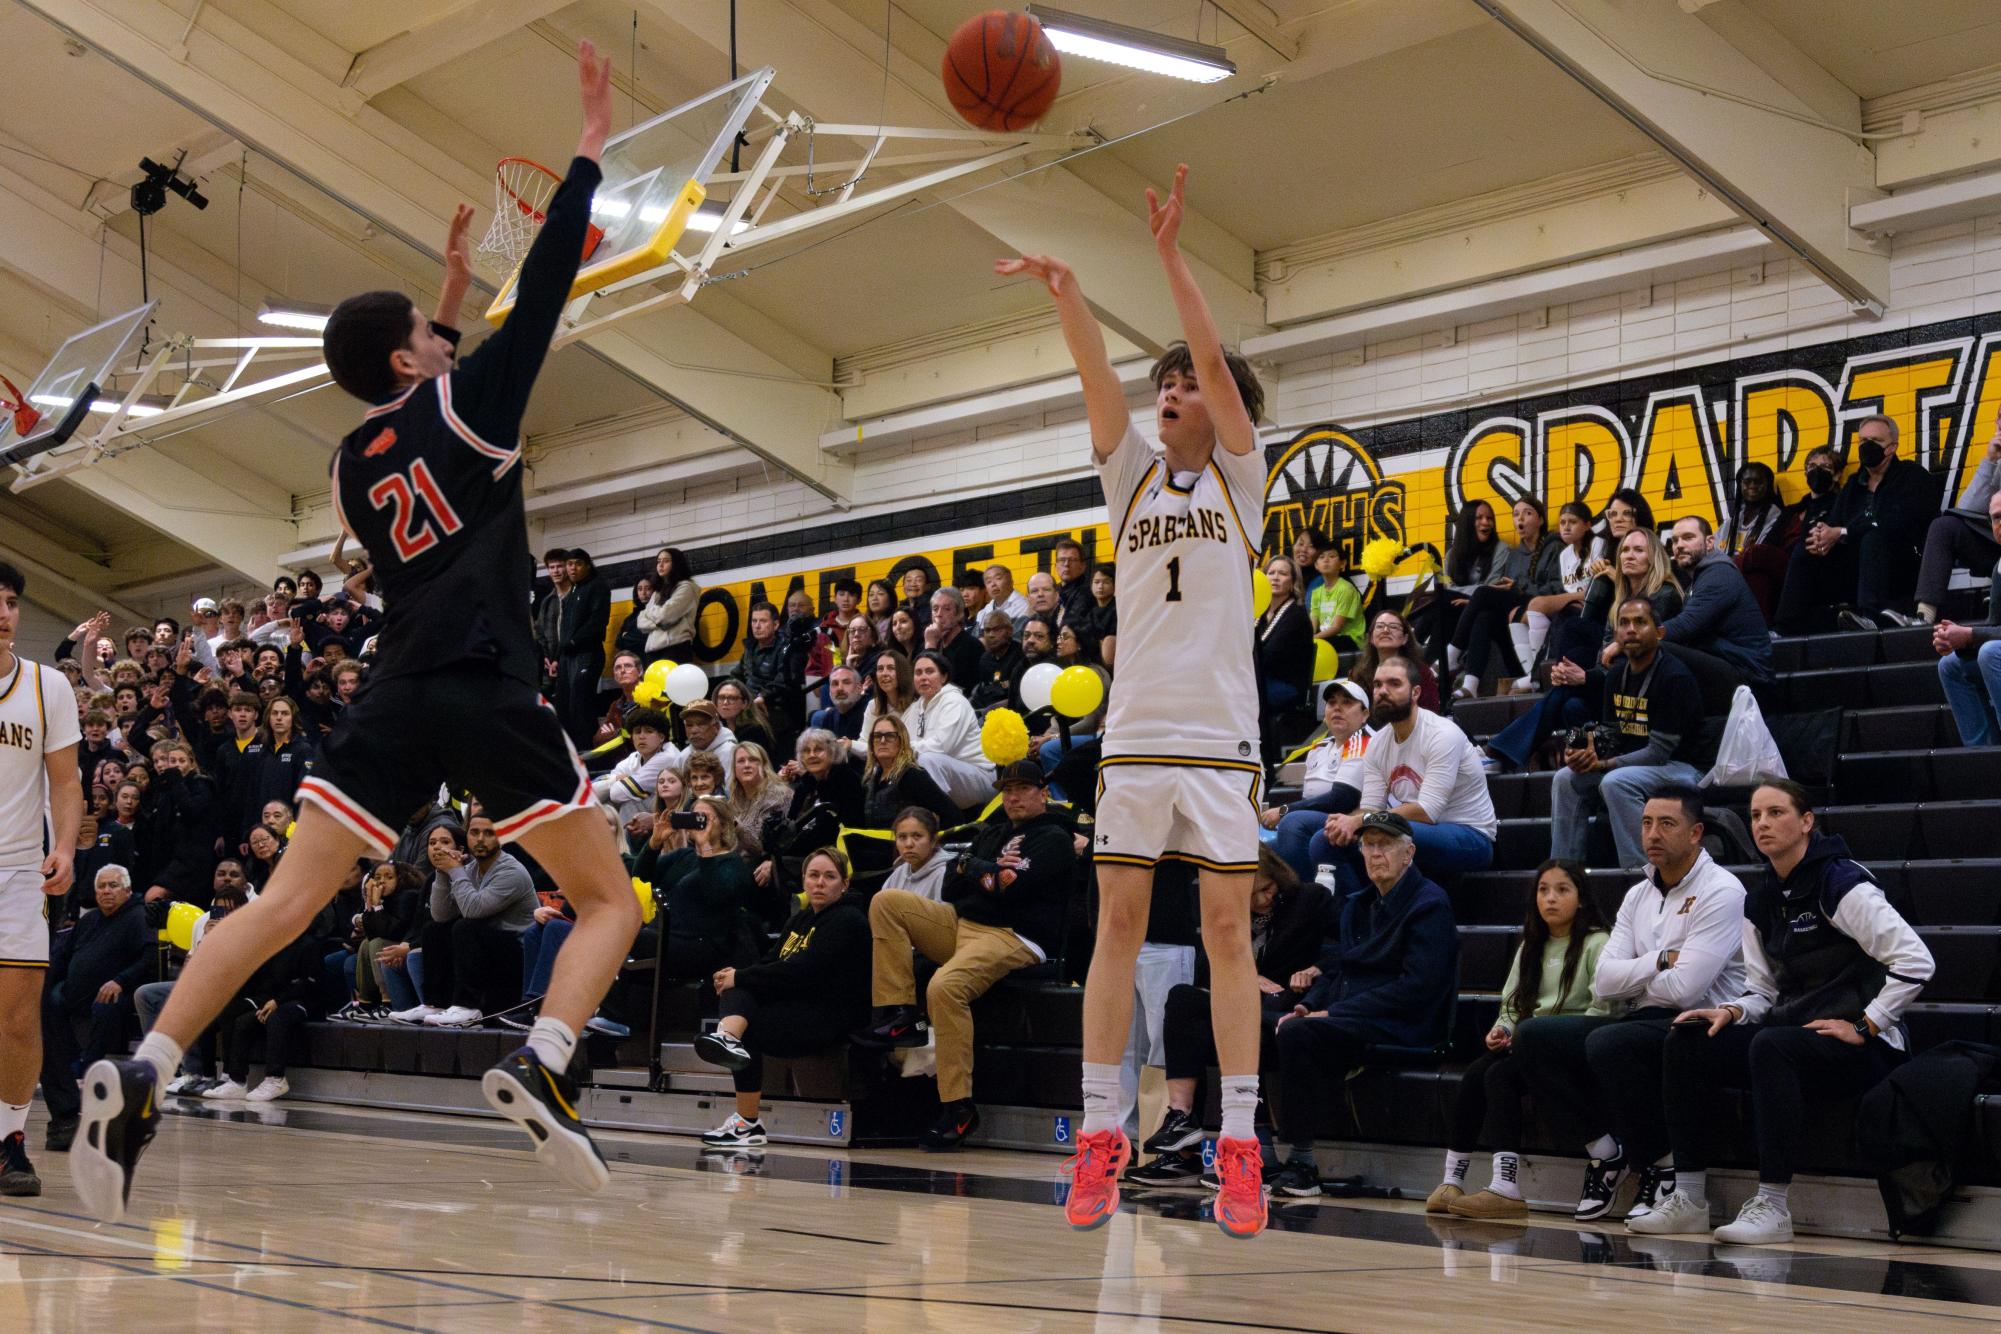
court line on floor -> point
(828, 1236)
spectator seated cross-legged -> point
(1962, 536)
(806, 997)
(1651, 734)
(1386, 978)
(1333, 782)
(1485, 624)
(94, 970)
(1420, 766)
(1676, 945)
(1002, 911)
(1719, 634)
(1863, 559)
(1829, 969)
(945, 733)
(1969, 664)
(481, 901)
(1550, 975)
(1290, 922)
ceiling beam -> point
(443, 39)
(66, 597)
(1255, 19)
(1732, 125)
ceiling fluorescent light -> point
(1134, 48)
(706, 219)
(140, 409)
(293, 314)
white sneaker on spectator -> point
(736, 1133)
(227, 1091)
(458, 1016)
(1761, 1222)
(416, 1014)
(1673, 1213)
(269, 1088)
(183, 1083)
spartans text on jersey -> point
(1158, 530)
(19, 735)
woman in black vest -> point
(1829, 969)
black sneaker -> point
(544, 1104)
(1178, 1130)
(17, 1174)
(1300, 1180)
(1169, 1169)
(1850, 619)
(1655, 1182)
(1602, 1178)
(61, 1134)
(517, 1023)
(119, 1119)
(720, 1048)
(956, 1120)
(903, 1026)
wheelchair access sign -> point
(1060, 1132)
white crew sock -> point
(1456, 1164)
(1507, 1171)
(1470, 684)
(1452, 656)
(1602, 1148)
(1928, 613)
(1240, 1106)
(13, 1119)
(162, 1053)
(1694, 1185)
(1776, 1194)
(554, 1042)
(1101, 1098)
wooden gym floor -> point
(298, 1217)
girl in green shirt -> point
(1550, 975)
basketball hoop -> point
(521, 191)
(26, 418)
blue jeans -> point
(1972, 686)
(539, 946)
(1293, 840)
(1621, 793)
(412, 986)
(1052, 754)
(1442, 849)
(1562, 706)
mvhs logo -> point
(1324, 479)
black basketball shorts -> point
(467, 725)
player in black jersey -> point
(430, 483)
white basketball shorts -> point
(24, 919)
(1152, 809)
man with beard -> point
(1719, 634)
(1421, 766)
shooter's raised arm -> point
(1234, 429)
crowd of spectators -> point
(738, 814)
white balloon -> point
(686, 684)
(1036, 683)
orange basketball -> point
(1000, 71)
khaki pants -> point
(973, 958)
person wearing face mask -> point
(1757, 533)
(1863, 558)
(1962, 536)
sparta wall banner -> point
(1678, 438)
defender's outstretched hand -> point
(1053, 272)
(1165, 219)
(458, 253)
(594, 85)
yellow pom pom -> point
(1003, 736)
(1380, 557)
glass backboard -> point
(69, 387)
(655, 176)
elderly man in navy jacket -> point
(1386, 979)
(1719, 634)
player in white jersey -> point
(41, 805)
(1180, 773)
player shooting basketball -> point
(430, 483)
(1180, 773)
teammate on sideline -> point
(430, 483)
(1180, 773)
(38, 740)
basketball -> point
(1000, 71)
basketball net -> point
(521, 191)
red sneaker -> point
(1094, 1178)
(1240, 1204)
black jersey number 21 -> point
(420, 517)
(1174, 580)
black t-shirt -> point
(1662, 699)
(964, 653)
(430, 482)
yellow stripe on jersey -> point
(24, 963)
(1228, 500)
(1179, 761)
(41, 704)
(1138, 491)
(20, 665)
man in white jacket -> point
(1677, 945)
(945, 733)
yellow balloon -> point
(181, 919)
(1260, 592)
(1077, 691)
(647, 906)
(1326, 661)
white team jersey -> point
(37, 715)
(1185, 687)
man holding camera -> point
(1002, 911)
(1650, 734)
